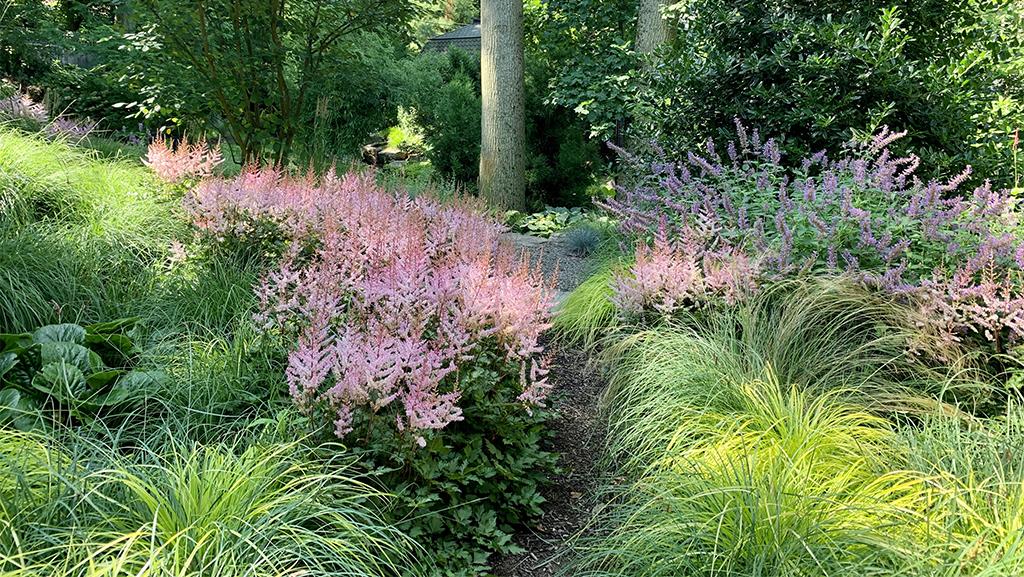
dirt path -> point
(578, 438)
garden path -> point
(578, 434)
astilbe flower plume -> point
(389, 298)
(20, 106)
(865, 214)
(186, 161)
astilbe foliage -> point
(390, 298)
(187, 161)
(955, 254)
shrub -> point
(413, 335)
(750, 218)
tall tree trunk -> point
(449, 10)
(652, 30)
(503, 124)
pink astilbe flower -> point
(188, 161)
(665, 277)
(21, 107)
(389, 298)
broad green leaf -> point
(9, 399)
(114, 326)
(7, 362)
(14, 341)
(99, 380)
(66, 333)
(62, 380)
(119, 343)
(77, 355)
(142, 380)
(18, 410)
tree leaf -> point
(65, 333)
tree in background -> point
(260, 61)
(503, 125)
(652, 27)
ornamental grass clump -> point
(957, 255)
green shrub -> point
(945, 71)
(468, 489)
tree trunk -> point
(503, 124)
(652, 30)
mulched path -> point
(578, 435)
(578, 438)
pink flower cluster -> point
(188, 161)
(20, 106)
(680, 273)
(392, 299)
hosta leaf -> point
(137, 381)
(18, 410)
(9, 399)
(7, 362)
(66, 333)
(120, 344)
(116, 396)
(62, 380)
(77, 355)
(111, 327)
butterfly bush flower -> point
(391, 299)
(712, 230)
(188, 161)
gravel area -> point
(566, 270)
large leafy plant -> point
(68, 368)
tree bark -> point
(652, 30)
(503, 124)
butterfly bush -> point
(391, 299)
(955, 254)
(188, 161)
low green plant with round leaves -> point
(69, 368)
